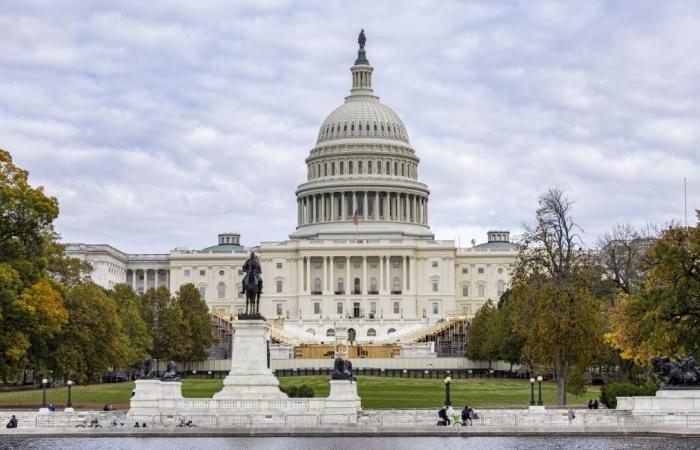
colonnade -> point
(370, 205)
(140, 279)
(384, 273)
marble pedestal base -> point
(537, 409)
(150, 396)
(665, 401)
(250, 378)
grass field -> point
(376, 392)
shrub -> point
(610, 392)
(299, 391)
(576, 383)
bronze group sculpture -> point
(342, 370)
(170, 373)
(147, 372)
(252, 287)
(678, 374)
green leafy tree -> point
(483, 336)
(198, 327)
(663, 318)
(510, 341)
(166, 324)
(92, 341)
(138, 341)
(554, 293)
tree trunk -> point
(561, 371)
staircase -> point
(426, 333)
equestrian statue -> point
(252, 287)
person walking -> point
(449, 413)
(596, 404)
(465, 415)
(442, 414)
(571, 416)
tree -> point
(137, 339)
(553, 290)
(198, 329)
(663, 318)
(31, 307)
(483, 336)
(166, 324)
(510, 347)
(92, 341)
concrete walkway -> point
(356, 431)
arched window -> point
(325, 169)
(317, 284)
(403, 170)
(330, 332)
(311, 331)
(352, 126)
(341, 167)
(332, 168)
(388, 168)
(379, 167)
(359, 167)
(369, 167)
(396, 284)
(340, 287)
(357, 285)
(221, 289)
(391, 330)
(371, 332)
(373, 284)
(396, 168)
(375, 126)
(350, 168)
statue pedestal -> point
(665, 401)
(343, 399)
(250, 378)
(152, 395)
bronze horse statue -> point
(252, 295)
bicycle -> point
(94, 423)
(185, 424)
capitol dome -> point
(362, 173)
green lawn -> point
(376, 392)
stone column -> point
(404, 286)
(145, 280)
(300, 275)
(333, 215)
(308, 274)
(364, 275)
(354, 203)
(365, 211)
(156, 286)
(380, 282)
(332, 275)
(324, 284)
(323, 207)
(347, 279)
(388, 274)
(376, 205)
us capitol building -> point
(362, 256)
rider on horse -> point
(252, 267)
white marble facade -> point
(362, 254)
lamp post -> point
(532, 392)
(447, 390)
(539, 382)
(69, 405)
(44, 382)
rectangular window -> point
(202, 292)
(202, 273)
(482, 290)
(317, 308)
(356, 264)
(279, 309)
(481, 270)
(465, 291)
(397, 307)
(465, 270)
(279, 286)
(373, 264)
(317, 265)
(340, 264)
(434, 263)
(396, 264)
(436, 308)
(373, 308)
(279, 265)
(436, 285)
(187, 272)
(339, 308)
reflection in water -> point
(364, 443)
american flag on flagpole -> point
(355, 218)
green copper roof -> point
(496, 245)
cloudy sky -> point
(159, 125)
